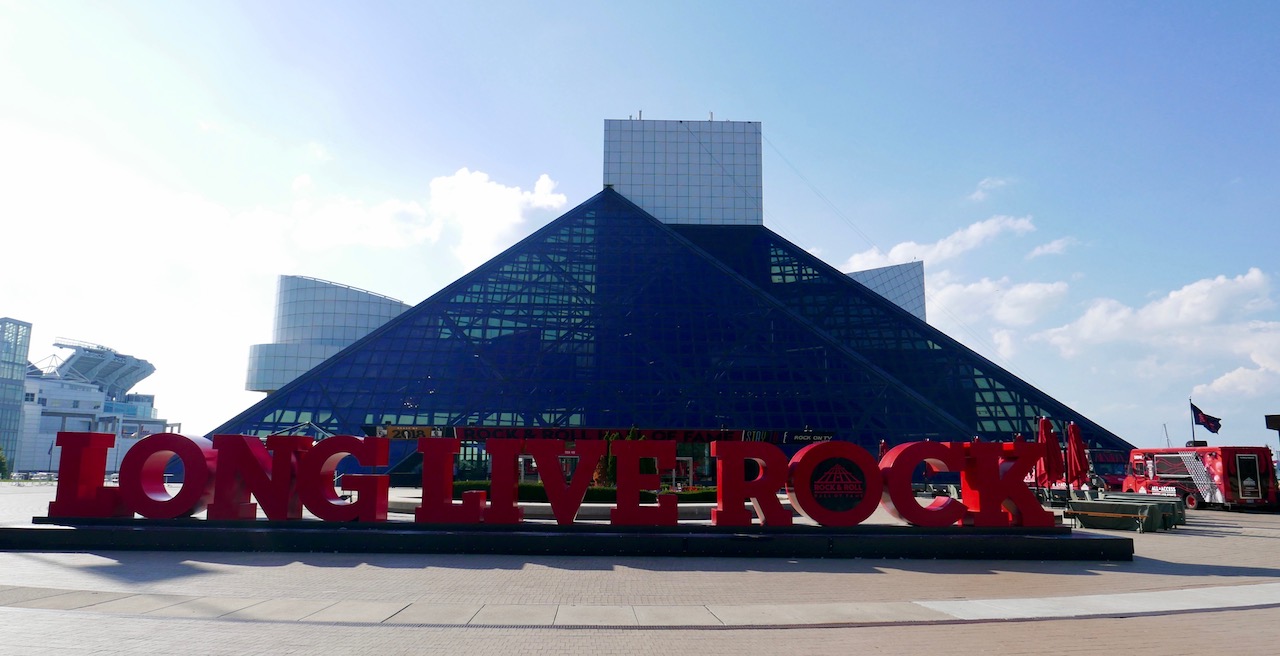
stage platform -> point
(580, 539)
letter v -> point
(565, 498)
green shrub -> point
(705, 495)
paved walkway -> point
(1205, 585)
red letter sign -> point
(437, 485)
(81, 468)
(898, 466)
(142, 476)
(315, 479)
(629, 512)
(245, 467)
(504, 480)
(994, 484)
(734, 490)
(835, 483)
(565, 498)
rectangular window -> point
(1248, 476)
(29, 397)
(1174, 465)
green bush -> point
(705, 495)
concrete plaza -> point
(1210, 585)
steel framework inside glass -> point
(607, 317)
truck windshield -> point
(1109, 468)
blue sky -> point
(1093, 186)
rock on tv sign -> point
(832, 483)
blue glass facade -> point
(314, 320)
(988, 401)
(901, 283)
(15, 342)
(607, 317)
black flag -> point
(1211, 424)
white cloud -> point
(1258, 342)
(318, 152)
(1006, 343)
(965, 303)
(949, 247)
(1212, 299)
(1243, 381)
(1161, 369)
(985, 186)
(480, 214)
(483, 213)
(1261, 341)
(115, 257)
(1180, 317)
(1007, 303)
(1105, 320)
(544, 196)
(1025, 303)
(340, 222)
(114, 207)
(1055, 247)
(1200, 332)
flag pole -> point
(1193, 420)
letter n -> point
(245, 467)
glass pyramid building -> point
(608, 317)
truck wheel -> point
(1192, 501)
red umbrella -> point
(1077, 459)
(1049, 469)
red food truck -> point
(1224, 476)
(1107, 468)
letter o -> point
(800, 492)
(142, 476)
